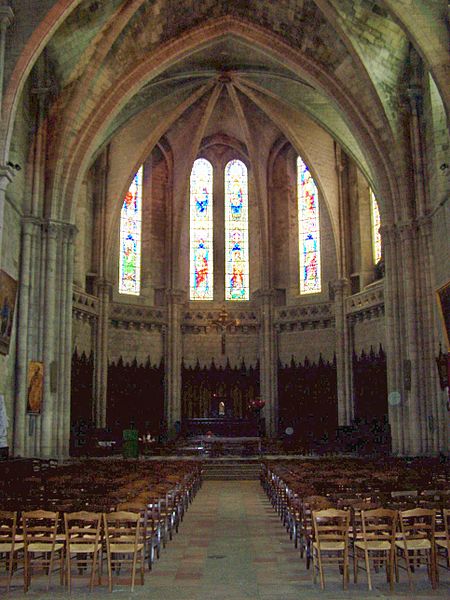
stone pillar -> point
(6, 177)
(394, 356)
(51, 322)
(6, 18)
(104, 292)
(23, 319)
(65, 342)
(173, 358)
(268, 354)
(343, 354)
(411, 342)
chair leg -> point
(68, 572)
(369, 578)
(133, 572)
(355, 565)
(408, 568)
(109, 573)
(94, 564)
(322, 580)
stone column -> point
(173, 358)
(412, 387)
(23, 319)
(393, 348)
(6, 18)
(343, 354)
(6, 176)
(268, 354)
(48, 446)
(63, 367)
(104, 293)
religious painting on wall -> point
(8, 290)
(35, 387)
(443, 297)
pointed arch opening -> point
(236, 232)
(201, 261)
(308, 230)
(130, 238)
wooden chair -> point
(148, 534)
(442, 542)
(83, 544)
(40, 531)
(306, 533)
(123, 545)
(377, 543)
(330, 545)
(10, 545)
(417, 543)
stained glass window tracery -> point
(309, 230)
(376, 224)
(236, 231)
(130, 238)
(201, 231)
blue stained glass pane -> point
(236, 231)
(130, 238)
(376, 224)
(201, 231)
(309, 230)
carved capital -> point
(340, 286)
(52, 229)
(7, 173)
(6, 16)
(175, 296)
(407, 230)
(29, 224)
(69, 232)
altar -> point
(225, 426)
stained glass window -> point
(309, 230)
(130, 238)
(236, 231)
(201, 224)
(376, 222)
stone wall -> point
(309, 343)
(139, 344)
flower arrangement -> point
(256, 404)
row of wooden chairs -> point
(128, 537)
(394, 535)
(39, 545)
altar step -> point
(232, 470)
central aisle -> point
(231, 545)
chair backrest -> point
(40, 526)
(417, 523)
(331, 525)
(83, 527)
(8, 527)
(121, 527)
(379, 524)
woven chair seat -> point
(44, 547)
(414, 544)
(7, 547)
(125, 548)
(373, 545)
(332, 546)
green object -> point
(130, 446)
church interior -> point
(225, 296)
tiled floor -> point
(232, 546)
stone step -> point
(233, 470)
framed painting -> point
(443, 298)
(8, 290)
(35, 387)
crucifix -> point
(223, 321)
